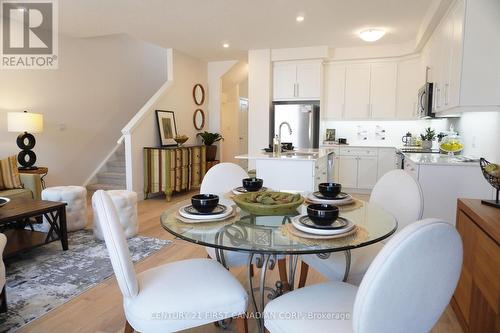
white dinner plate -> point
(242, 190)
(312, 198)
(184, 213)
(323, 232)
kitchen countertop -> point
(439, 159)
(364, 144)
(302, 154)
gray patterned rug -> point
(44, 278)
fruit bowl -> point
(181, 139)
(269, 203)
(451, 145)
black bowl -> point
(330, 190)
(322, 214)
(205, 203)
(252, 184)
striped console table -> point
(173, 169)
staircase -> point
(112, 174)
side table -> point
(42, 171)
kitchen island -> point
(298, 170)
(444, 179)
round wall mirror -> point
(198, 94)
(199, 119)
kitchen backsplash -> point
(381, 132)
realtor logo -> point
(29, 34)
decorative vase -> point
(211, 152)
(426, 144)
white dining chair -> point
(221, 179)
(170, 297)
(406, 289)
(3, 296)
(397, 193)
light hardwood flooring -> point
(99, 310)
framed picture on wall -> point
(167, 129)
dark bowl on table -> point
(205, 203)
(322, 214)
(252, 184)
(330, 190)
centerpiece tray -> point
(269, 203)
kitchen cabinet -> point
(335, 91)
(386, 161)
(357, 91)
(410, 77)
(297, 80)
(464, 60)
(383, 78)
(348, 171)
(367, 172)
(477, 296)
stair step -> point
(105, 187)
(113, 168)
(116, 163)
(117, 178)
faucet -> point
(289, 129)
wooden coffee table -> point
(21, 212)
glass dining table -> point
(266, 239)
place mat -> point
(355, 237)
(355, 204)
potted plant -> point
(208, 140)
(427, 138)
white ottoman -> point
(126, 207)
(76, 198)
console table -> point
(477, 298)
(173, 169)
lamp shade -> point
(25, 122)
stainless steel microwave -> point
(425, 101)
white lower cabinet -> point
(358, 168)
(348, 171)
(367, 172)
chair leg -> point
(283, 274)
(304, 268)
(241, 324)
(3, 299)
(128, 328)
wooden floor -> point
(99, 310)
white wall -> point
(481, 132)
(187, 71)
(100, 84)
(259, 100)
(394, 130)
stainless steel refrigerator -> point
(303, 118)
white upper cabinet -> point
(383, 90)
(463, 55)
(334, 91)
(357, 91)
(297, 80)
(411, 76)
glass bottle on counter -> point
(276, 146)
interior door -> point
(357, 91)
(367, 171)
(243, 131)
(383, 90)
(348, 170)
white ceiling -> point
(198, 27)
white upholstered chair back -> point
(116, 243)
(3, 242)
(399, 194)
(222, 178)
(411, 281)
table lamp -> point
(25, 122)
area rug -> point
(46, 277)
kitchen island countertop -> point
(302, 154)
(440, 159)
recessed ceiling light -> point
(299, 18)
(225, 45)
(371, 35)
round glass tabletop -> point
(271, 234)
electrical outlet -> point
(62, 126)
(473, 143)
